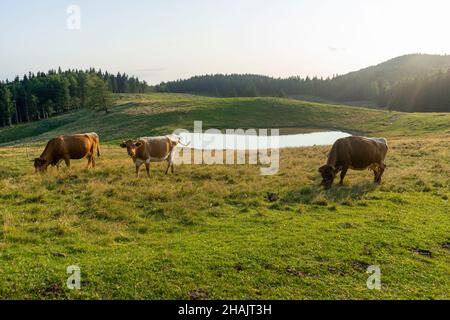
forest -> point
(43, 95)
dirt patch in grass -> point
(422, 252)
(198, 294)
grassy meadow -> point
(226, 232)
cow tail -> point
(98, 149)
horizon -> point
(208, 74)
(161, 42)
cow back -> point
(77, 146)
(357, 152)
(159, 148)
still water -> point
(216, 141)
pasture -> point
(226, 232)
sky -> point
(163, 40)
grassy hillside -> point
(214, 228)
(151, 114)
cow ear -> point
(123, 145)
(138, 144)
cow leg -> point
(137, 171)
(67, 161)
(343, 173)
(93, 162)
(168, 167)
(170, 160)
(89, 162)
(380, 173)
(58, 164)
(147, 167)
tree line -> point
(428, 92)
(42, 95)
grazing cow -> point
(357, 153)
(69, 147)
(152, 149)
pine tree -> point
(39, 96)
(6, 105)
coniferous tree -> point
(41, 95)
(6, 105)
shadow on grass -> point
(354, 192)
(6, 173)
(121, 107)
(307, 194)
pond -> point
(216, 141)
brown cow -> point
(152, 149)
(69, 147)
(357, 153)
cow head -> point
(132, 147)
(40, 165)
(328, 174)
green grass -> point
(213, 227)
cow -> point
(357, 153)
(69, 147)
(152, 149)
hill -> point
(400, 68)
(388, 81)
(153, 114)
(415, 82)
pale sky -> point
(169, 39)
